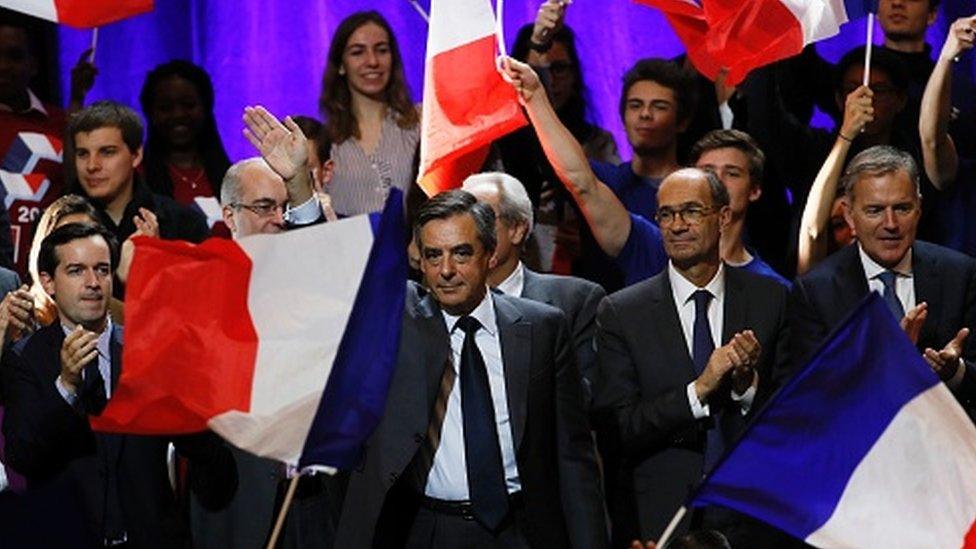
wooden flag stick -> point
(284, 511)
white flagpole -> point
(867, 49)
(499, 30)
(94, 44)
(669, 531)
(420, 10)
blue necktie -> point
(482, 453)
(890, 296)
(703, 346)
(702, 343)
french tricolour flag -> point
(467, 104)
(283, 344)
(865, 447)
(80, 13)
(741, 35)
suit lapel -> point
(434, 348)
(115, 347)
(925, 276)
(530, 289)
(663, 316)
(734, 308)
(515, 339)
(850, 282)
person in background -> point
(184, 157)
(371, 120)
(320, 163)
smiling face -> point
(177, 112)
(105, 164)
(883, 213)
(651, 117)
(81, 284)
(367, 61)
(455, 263)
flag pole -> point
(499, 30)
(867, 50)
(284, 511)
(420, 10)
(94, 44)
(672, 526)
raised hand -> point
(521, 77)
(945, 363)
(548, 20)
(283, 146)
(961, 37)
(79, 348)
(82, 78)
(913, 320)
(858, 112)
(16, 313)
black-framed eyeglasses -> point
(691, 215)
(263, 208)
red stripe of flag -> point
(95, 13)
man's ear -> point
(227, 213)
(755, 191)
(137, 158)
(47, 283)
(518, 233)
(328, 170)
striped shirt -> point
(362, 181)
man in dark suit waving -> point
(684, 357)
(485, 441)
(64, 372)
(576, 297)
(930, 289)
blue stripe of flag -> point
(355, 394)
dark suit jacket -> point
(553, 447)
(578, 299)
(645, 369)
(51, 444)
(944, 279)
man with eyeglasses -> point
(684, 357)
(254, 199)
(931, 290)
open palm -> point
(283, 146)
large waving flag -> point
(467, 105)
(863, 448)
(82, 14)
(741, 35)
(283, 344)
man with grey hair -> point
(684, 357)
(253, 198)
(575, 297)
(931, 290)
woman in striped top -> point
(370, 118)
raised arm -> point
(606, 215)
(939, 156)
(283, 147)
(816, 213)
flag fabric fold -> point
(244, 338)
(467, 104)
(865, 447)
(82, 14)
(742, 35)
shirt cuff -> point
(698, 409)
(305, 213)
(726, 114)
(956, 378)
(746, 399)
(68, 396)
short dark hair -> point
(668, 74)
(736, 139)
(48, 260)
(107, 114)
(882, 59)
(879, 160)
(457, 202)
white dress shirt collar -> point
(483, 313)
(515, 283)
(35, 105)
(683, 289)
(872, 269)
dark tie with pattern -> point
(703, 346)
(890, 296)
(483, 455)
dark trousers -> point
(446, 531)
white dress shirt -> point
(904, 280)
(515, 283)
(104, 347)
(682, 291)
(448, 478)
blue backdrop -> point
(272, 52)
